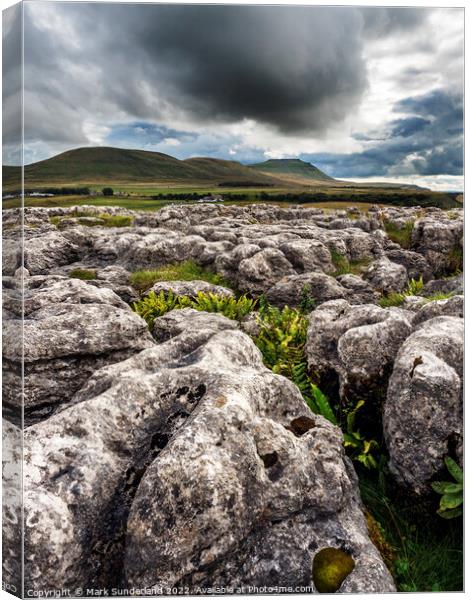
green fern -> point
(451, 492)
(233, 308)
(155, 305)
(358, 448)
(320, 404)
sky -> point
(362, 93)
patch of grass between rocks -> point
(84, 274)
(400, 235)
(345, 266)
(90, 219)
(184, 271)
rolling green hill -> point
(110, 165)
(291, 167)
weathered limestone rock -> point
(252, 246)
(386, 276)
(308, 255)
(356, 346)
(260, 272)
(358, 291)
(45, 252)
(415, 264)
(12, 500)
(437, 238)
(70, 329)
(190, 288)
(211, 471)
(175, 323)
(446, 286)
(11, 255)
(319, 287)
(422, 416)
(438, 308)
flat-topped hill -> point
(292, 167)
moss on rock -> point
(330, 568)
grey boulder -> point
(386, 276)
(422, 417)
(190, 464)
(190, 288)
(355, 346)
(317, 286)
(70, 329)
(451, 307)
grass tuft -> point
(84, 274)
(440, 296)
(345, 266)
(424, 551)
(392, 299)
(102, 219)
(455, 260)
(185, 271)
(400, 235)
(414, 288)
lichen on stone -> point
(330, 568)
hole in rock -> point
(301, 425)
(269, 460)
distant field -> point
(149, 180)
(136, 203)
(142, 200)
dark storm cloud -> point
(296, 69)
(415, 145)
(409, 126)
(11, 81)
(384, 20)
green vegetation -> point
(358, 447)
(184, 271)
(330, 568)
(423, 551)
(400, 235)
(440, 296)
(155, 305)
(345, 266)
(414, 288)
(111, 221)
(84, 274)
(232, 308)
(340, 262)
(455, 260)
(88, 170)
(107, 191)
(427, 551)
(307, 301)
(451, 492)
(281, 339)
(91, 219)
